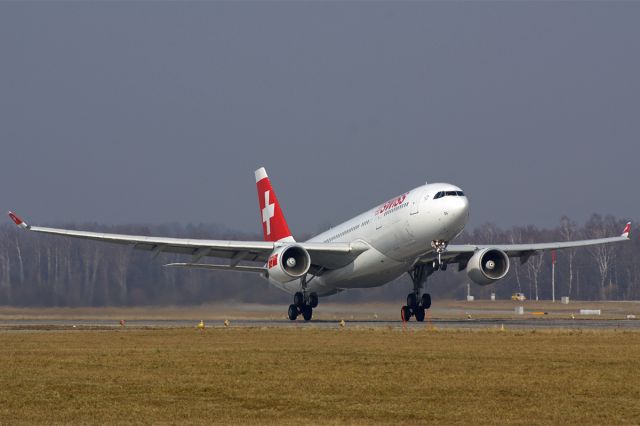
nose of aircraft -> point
(458, 209)
(463, 206)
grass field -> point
(326, 376)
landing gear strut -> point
(303, 303)
(416, 303)
(440, 246)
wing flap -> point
(334, 255)
(238, 268)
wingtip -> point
(17, 220)
(627, 230)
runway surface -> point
(529, 323)
(451, 314)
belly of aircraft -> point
(371, 269)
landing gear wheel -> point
(416, 304)
(313, 300)
(412, 300)
(293, 312)
(307, 312)
(405, 313)
(426, 301)
(298, 299)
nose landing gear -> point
(440, 246)
(416, 303)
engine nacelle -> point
(487, 266)
(288, 263)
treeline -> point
(42, 270)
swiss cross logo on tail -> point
(627, 230)
(267, 212)
(274, 226)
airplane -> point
(410, 233)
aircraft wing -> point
(323, 255)
(461, 253)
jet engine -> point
(487, 266)
(288, 263)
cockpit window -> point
(448, 194)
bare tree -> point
(603, 254)
(515, 237)
(123, 259)
(5, 267)
(568, 232)
(20, 261)
(534, 262)
(533, 266)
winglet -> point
(16, 219)
(627, 230)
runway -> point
(528, 323)
(446, 314)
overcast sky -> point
(136, 112)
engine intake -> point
(288, 263)
(487, 266)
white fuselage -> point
(398, 232)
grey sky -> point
(160, 111)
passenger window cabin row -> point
(342, 234)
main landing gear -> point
(303, 305)
(416, 303)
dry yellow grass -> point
(327, 376)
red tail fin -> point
(274, 226)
